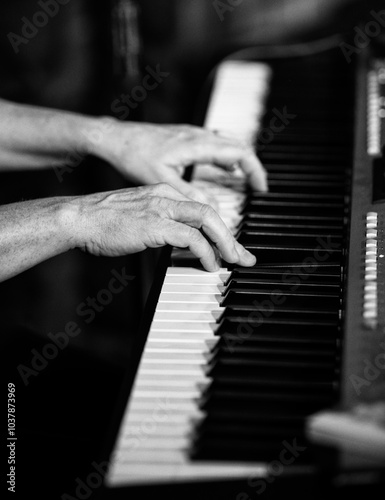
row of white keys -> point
(238, 99)
(156, 435)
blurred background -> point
(87, 56)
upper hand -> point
(148, 154)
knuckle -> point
(188, 132)
(193, 235)
(161, 188)
(206, 211)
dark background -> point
(72, 64)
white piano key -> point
(187, 407)
(177, 357)
(192, 271)
(147, 428)
(165, 346)
(165, 443)
(192, 288)
(181, 307)
(169, 382)
(205, 298)
(208, 316)
(140, 417)
(172, 360)
(177, 334)
(186, 394)
(191, 380)
(187, 342)
(179, 352)
(158, 472)
(171, 279)
(169, 326)
(131, 455)
(174, 370)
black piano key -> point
(273, 285)
(308, 172)
(268, 157)
(266, 351)
(335, 220)
(253, 382)
(238, 430)
(233, 332)
(253, 450)
(303, 197)
(279, 312)
(268, 254)
(292, 299)
(218, 396)
(314, 187)
(290, 228)
(314, 150)
(256, 416)
(272, 359)
(272, 382)
(296, 238)
(320, 136)
(259, 206)
(309, 272)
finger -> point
(233, 157)
(255, 171)
(224, 152)
(182, 236)
(206, 218)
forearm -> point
(36, 137)
(33, 231)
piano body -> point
(237, 372)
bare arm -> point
(33, 231)
(34, 137)
(112, 224)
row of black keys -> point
(277, 356)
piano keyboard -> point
(237, 359)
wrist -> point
(95, 135)
(68, 220)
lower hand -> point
(131, 220)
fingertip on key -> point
(246, 257)
(250, 259)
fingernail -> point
(248, 256)
(262, 184)
(265, 186)
(252, 258)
